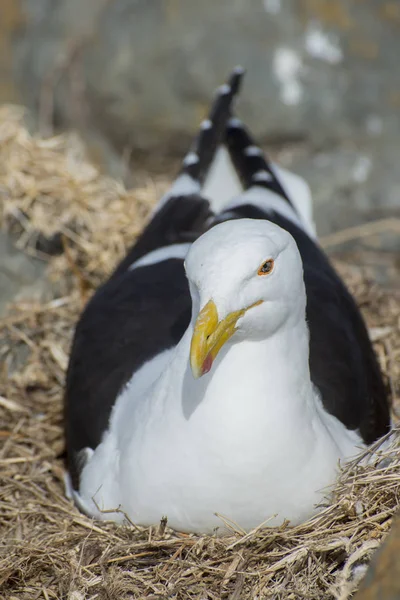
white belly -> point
(190, 460)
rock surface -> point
(322, 87)
(21, 277)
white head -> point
(246, 279)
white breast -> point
(262, 448)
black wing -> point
(140, 312)
(129, 320)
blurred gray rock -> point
(316, 69)
(322, 79)
(21, 277)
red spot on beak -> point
(207, 364)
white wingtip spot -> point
(206, 124)
(262, 176)
(235, 122)
(190, 159)
(253, 151)
(224, 89)
(238, 70)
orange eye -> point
(267, 267)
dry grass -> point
(48, 549)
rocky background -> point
(135, 77)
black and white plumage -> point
(236, 393)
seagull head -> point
(246, 282)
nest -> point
(56, 203)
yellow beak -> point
(210, 335)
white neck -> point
(263, 392)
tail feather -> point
(198, 161)
(250, 161)
(225, 163)
(212, 131)
(268, 186)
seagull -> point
(223, 371)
